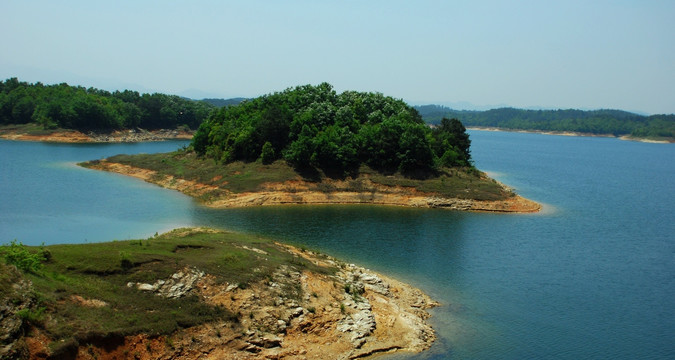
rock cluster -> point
(177, 285)
(16, 299)
(136, 135)
(360, 323)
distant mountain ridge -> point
(596, 122)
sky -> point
(471, 54)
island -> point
(201, 293)
(310, 145)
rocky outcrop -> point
(177, 285)
(15, 299)
(138, 135)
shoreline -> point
(298, 193)
(141, 135)
(78, 137)
(569, 133)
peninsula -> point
(201, 293)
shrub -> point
(18, 255)
(268, 155)
(33, 317)
(125, 261)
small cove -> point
(591, 278)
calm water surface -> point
(592, 276)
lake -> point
(591, 276)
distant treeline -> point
(76, 107)
(313, 127)
(224, 102)
(600, 122)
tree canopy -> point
(313, 127)
(76, 107)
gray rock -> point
(176, 286)
(146, 287)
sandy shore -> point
(300, 192)
(74, 136)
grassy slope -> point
(240, 177)
(29, 129)
(97, 271)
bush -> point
(18, 255)
(34, 317)
(268, 155)
(125, 261)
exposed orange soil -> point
(74, 136)
(61, 137)
(303, 192)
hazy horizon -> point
(476, 55)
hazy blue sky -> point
(551, 54)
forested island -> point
(593, 122)
(310, 145)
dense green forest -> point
(614, 122)
(313, 127)
(76, 107)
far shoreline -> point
(570, 133)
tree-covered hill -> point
(599, 122)
(313, 127)
(76, 107)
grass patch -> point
(30, 129)
(101, 271)
(239, 177)
(462, 183)
(235, 177)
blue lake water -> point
(592, 276)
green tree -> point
(267, 155)
(15, 253)
(312, 127)
(452, 143)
